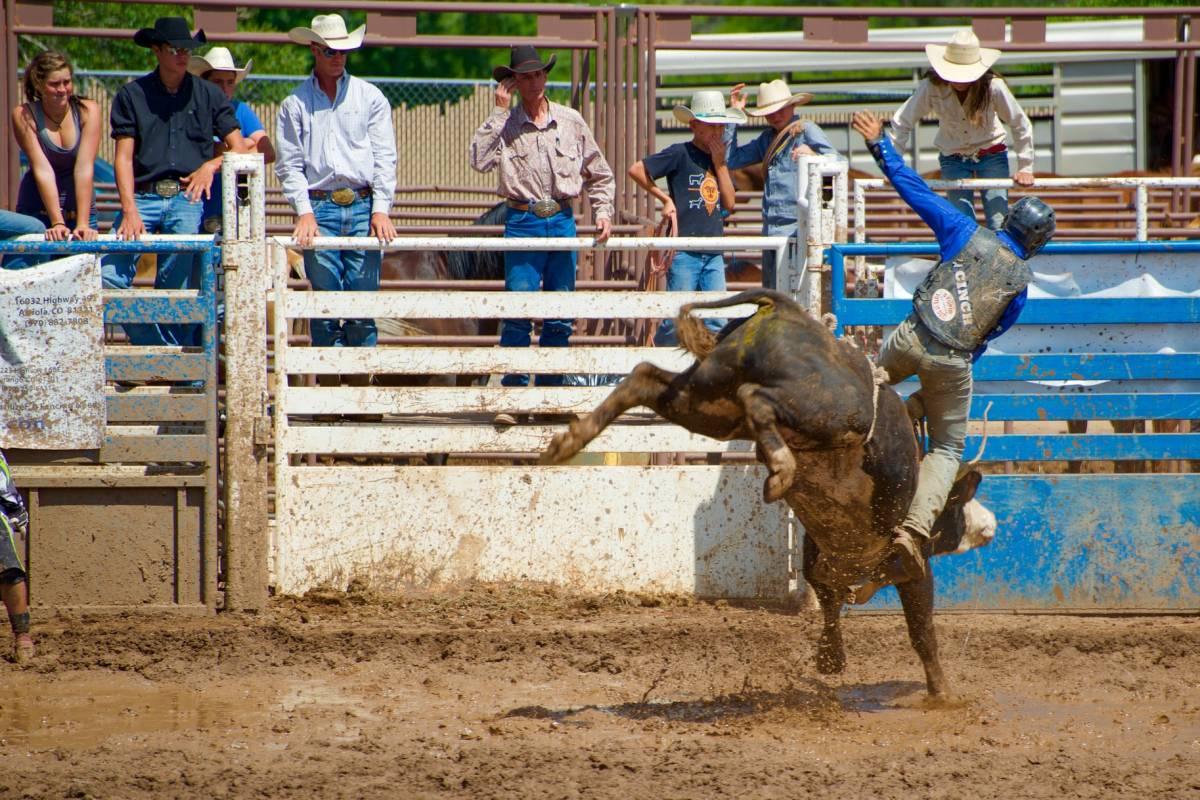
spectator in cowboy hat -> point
(217, 67)
(778, 149)
(546, 156)
(164, 124)
(973, 103)
(337, 164)
(700, 195)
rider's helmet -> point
(1030, 223)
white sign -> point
(52, 356)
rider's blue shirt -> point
(951, 227)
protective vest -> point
(961, 300)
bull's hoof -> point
(23, 649)
(858, 595)
(561, 447)
(776, 486)
(831, 658)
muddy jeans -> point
(945, 375)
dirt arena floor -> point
(523, 693)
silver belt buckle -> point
(545, 208)
(166, 187)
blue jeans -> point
(551, 271)
(13, 224)
(343, 271)
(159, 214)
(692, 272)
(995, 201)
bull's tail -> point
(695, 336)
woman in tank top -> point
(59, 134)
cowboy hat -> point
(774, 96)
(329, 30)
(709, 106)
(961, 60)
(169, 30)
(218, 58)
(523, 58)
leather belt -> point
(541, 208)
(987, 151)
(163, 187)
(343, 197)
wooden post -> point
(247, 428)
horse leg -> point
(917, 599)
(764, 428)
(644, 386)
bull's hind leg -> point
(764, 427)
(645, 386)
(917, 599)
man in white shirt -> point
(337, 164)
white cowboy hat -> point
(329, 30)
(774, 96)
(961, 60)
(709, 106)
(218, 58)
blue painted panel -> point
(1085, 406)
(1056, 311)
(1088, 366)
(1066, 447)
(121, 310)
(1079, 542)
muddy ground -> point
(502, 692)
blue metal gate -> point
(134, 523)
(1079, 541)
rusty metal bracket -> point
(262, 431)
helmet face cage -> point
(1030, 222)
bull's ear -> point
(964, 488)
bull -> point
(839, 447)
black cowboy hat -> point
(523, 58)
(170, 30)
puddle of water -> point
(83, 713)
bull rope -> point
(879, 377)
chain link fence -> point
(434, 122)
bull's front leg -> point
(644, 386)
(917, 599)
(764, 427)
(831, 652)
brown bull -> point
(839, 448)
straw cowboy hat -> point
(218, 58)
(774, 96)
(523, 58)
(709, 106)
(170, 30)
(329, 30)
(961, 60)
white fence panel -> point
(700, 529)
(696, 529)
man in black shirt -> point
(701, 196)
(164, 124)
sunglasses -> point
(329, 52)
(178, 51)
